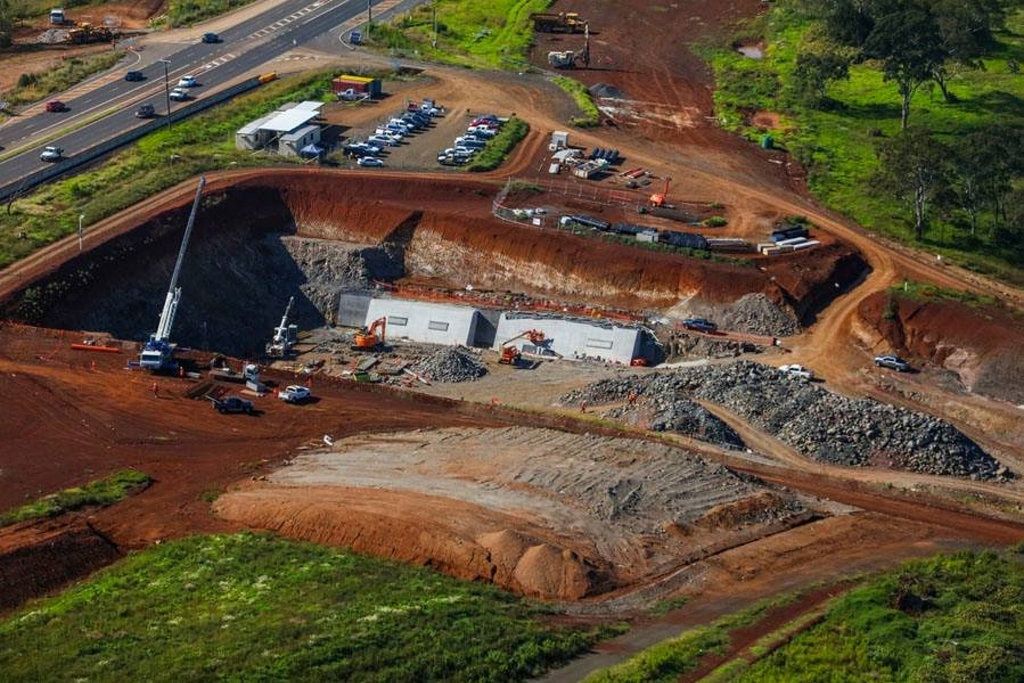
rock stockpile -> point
(450, 365)
(821, 425)
(757, 314)
(672, 414)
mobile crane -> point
(158, 352)
(284, 335)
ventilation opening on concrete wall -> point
(397, 321)
(437, 326)
(599, 344)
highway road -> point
(106, 106)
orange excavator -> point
(368, 339)
(509, 354)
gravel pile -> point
(450, 365)
(757, 314)
(680, 416)
(819, 424)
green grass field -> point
(948, 619)
(257, 608)
(945, 619)
(837, 145)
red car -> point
(56, 106)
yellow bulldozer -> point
(87, 33)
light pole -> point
(167, 89)
(433, 12)
(81, 217)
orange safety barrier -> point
(93, 347)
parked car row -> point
(392, 133)
(466, 146)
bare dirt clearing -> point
(528, 499)
(560, 516)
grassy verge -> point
(479, 33)
(188, 12)
(158, 161)
(670, 659)
(33, 87)
(491, 156)
(948, 618)
(106, 491)
(837, 144)
(255, 607)
(591, 115)
(918, 291)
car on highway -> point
(893, 363)
(370, 161)
(56, 106)
(51, 154)
(187, 82)
(700, 325)
(295, 393)
(179, 95)
(132, 76)
(210, 38)
(145, 111)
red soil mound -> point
(407, 526)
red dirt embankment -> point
(450, 235)
(981, 344)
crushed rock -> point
(819, 424)
(449, 365)
(757, 314)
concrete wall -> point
(426, 322)
(574, 337)
(353, 309)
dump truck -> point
(562, 22)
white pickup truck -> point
(797, 371)
(294, 393)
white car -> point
(294, 393)
(798, 371)
(51, 154)
(179, 95)
(370, 161)
(187, 82)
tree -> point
(814, 72)
(909, 45)
(913, 169)
(965, 28)
(7, 18)
(984, 170)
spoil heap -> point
(450, 365)
(819, 424)
(756, 314)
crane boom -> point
(156, 354)
(163, 331)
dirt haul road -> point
(70, 418)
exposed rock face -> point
(310, 235)
(820, 424)
(981, 344)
